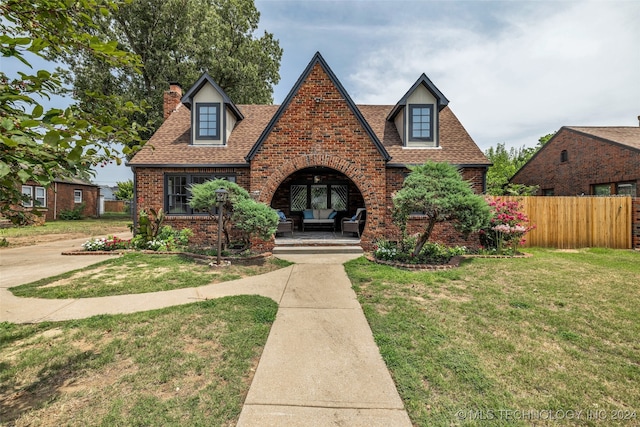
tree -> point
(253, 218)
(505, 165)
(177, 40)
(439, 192)
(125, 190)
(41, 144)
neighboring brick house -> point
(62, 194)
(586, 161)
(316, 150)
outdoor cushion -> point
(323, 213)
(282, 216)
(332, 215)
(307, 214)
(353, 218)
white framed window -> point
(41, 196)
(27, 190)
(77, 196)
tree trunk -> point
(424, 237)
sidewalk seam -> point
(39, 319)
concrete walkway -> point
(320, 365)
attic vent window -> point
(208, 120)
(564, 156)
(421, 122)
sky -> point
(513, 71)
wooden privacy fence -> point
(114, 205)
(578, 222)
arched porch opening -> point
(318, 188)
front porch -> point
(317, 238)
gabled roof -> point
(625, 136)
(456, 146)
(428, 84)
(74, 181)
(628, 136)
(318, 59)
(187, 98)
(169, 146)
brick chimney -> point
(171, 99)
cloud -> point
(540, 66)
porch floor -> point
(314, 238)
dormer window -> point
(208, 120)
(417, 115)
(421, 122)
(213, 115)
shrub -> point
(72, 214)
(167, 239)
(439, 191)
(431, 253)
(507, 227)
(251, 217)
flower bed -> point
(452, 263)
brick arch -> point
(372, 200)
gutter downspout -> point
(55, 200)
(134, 202)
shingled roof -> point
(169, 146)
(623, 135)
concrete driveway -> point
(30, 263)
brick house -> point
(316, 150)
(62, 194)
(586, 161)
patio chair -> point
(352, 225)
(285, 226)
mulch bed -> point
(453, 262)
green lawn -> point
(134, 273)
(473, 346)
(186, 365)
(59, 229)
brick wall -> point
(64, 199)
(319, 129)
(150, 195)
(590, 161)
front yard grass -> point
(62, 230)
(185, 365)
(134, 273)
(556, 332)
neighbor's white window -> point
(41, 196)
(27, 190)
(77, 196)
